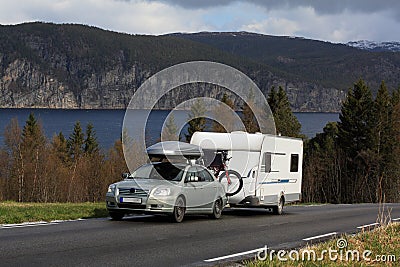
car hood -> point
(145, 184)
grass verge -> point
(13, 212)
(383, 244)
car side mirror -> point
(125, 175)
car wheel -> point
(179, 210)
(278, 210)
(217, 209)
(116, 216)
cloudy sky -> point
(330, 20)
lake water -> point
(108, 123)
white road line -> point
(33, 224)
(22, 225)
(319, 236)
(61, 221)
(397, 219)
(367, 225)
(235, 255)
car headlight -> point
(111, 189)
(162, 192)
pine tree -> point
(273, 101)
(170, 130)
(90, 144)
(394, 163)
(286, 122)
(32, 134)
(391, 149)
(221, 115)
(76, 141)
(382, 114)
(356, 123)
(356, 140)
(60, 147)
(93, 163)
(321, 167)
(196, 119)
(382, 129)
(249, 120)
(385, 145)
(32, 158)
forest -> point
(352, 160)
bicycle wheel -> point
(236, 182)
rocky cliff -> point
(75, 66)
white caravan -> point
(270, 166)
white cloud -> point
(273, 26)
(123, 16)
(312, 20)
(343, 27)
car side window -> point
(205, 176)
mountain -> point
(321, 63)
(375, 46)
(75, 66)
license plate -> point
(130, 200)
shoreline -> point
(155, 109)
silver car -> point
(166, 188)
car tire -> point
(116, 216)
(278, 210)
(217, 209)
(179, 210)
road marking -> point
(319, 236)
(33, 224)
(22, 225)
(367, 225)
(235, 255)
(397, 219)
(62, 221)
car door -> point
(208, 188)
(192, 190)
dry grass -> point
(384, 240)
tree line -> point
(357, 158)
(352, 160)
(73, 169)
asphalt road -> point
(154, 241)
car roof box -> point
(175, 149)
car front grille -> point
(133, 192)
(131, 206)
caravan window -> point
(294, 163)
(266, 162)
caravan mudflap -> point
(250, 201)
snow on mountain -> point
(376, 46)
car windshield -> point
(163, 170)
